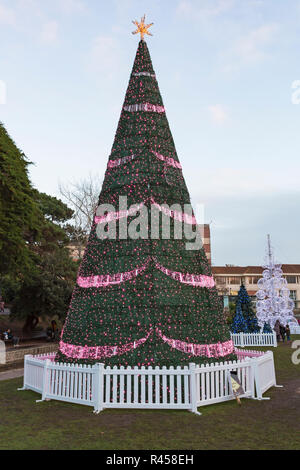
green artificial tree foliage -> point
(127, 309)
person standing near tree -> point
(282, 332)
(277, 330)
(54, 330)
(288, 333)
(8, 335)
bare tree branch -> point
(82, 196)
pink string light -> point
(207, 350)
(148, 107)
(196, 280)
(122, 161)
(177, 215)
(168, 160)
(99, 352)
(118, 215)
(110, 279)
(144, 74)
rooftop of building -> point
(243, 270)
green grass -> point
(273, 424)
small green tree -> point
(244, 320)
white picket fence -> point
(294, 328)
(254, 339)
(186, 387)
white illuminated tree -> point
(273, 295)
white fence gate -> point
(254, 339)
(155, 388)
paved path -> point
(11, 374)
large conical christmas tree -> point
(145, 301)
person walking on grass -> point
(282, 332)
(277, 330)
(288, 333)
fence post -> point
(45, 381)
(273, 370)
(252, 377)
(193, 389)
(242, 339)
(256, 378)
(98, 385)
(275, 339)
(26, 357)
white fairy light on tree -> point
(273, 297)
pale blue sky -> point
(225, 70)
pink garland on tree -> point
(148, 107)
(122, 161)
(101, 352)
(196, 280)
(176, 215)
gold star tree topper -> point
(142, 28)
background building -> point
(229, 278)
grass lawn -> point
(273, 424)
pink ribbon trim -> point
(168, 160)
(207, 350)
(144, 74)
(99, 352)
(122, 161)
(118, 215)
(110, 279)
(196, 280)
(177, 215)
(148, 107)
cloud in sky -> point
(204, 9)
(49, 33)
(250, 48)
(104, 56)
(218, 113)
(72, 6)
(7, 15)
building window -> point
(293, 294)
(235, 280)
(254, 280)
(291, 279)
(222, 281)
